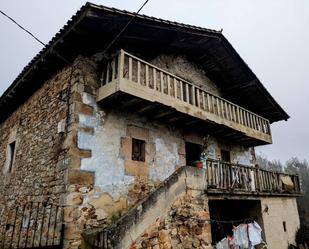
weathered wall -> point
(180, 66)
(35, 174)
(280, 209)
(104, 182)
(88, 168)
(172, 216)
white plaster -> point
(165, 160)
(88, 99)
(104, 144)
(241, 155)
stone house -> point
(96, 140)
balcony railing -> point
(127, 73)
(235, 177)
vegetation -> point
(293, 166)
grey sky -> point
(271, 36)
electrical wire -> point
(124, 28)
(24, 29)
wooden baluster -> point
(203, 99)
(220, 174)
(113, 68)
(197, 99)
(210, 173)
(234, 114)
(227, 176)
(121, 64)
(208, 102)
(261, 180)
(237, 115)
(251, 120)
(230, 111)
(255, 122)
(193, 95)
(231, 175)
(207, 173)
(107, 73)
(241, 118)
(187, 93)
(147, 83)
(246, 114)
(168, 85)
(218, 106)
(138, 72)
(130, 69)
(222, 108)
(154, 73)
(175, 87)
(161, 83)
(181, 91)
(214, 106)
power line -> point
(124, 28)
(32, 35)
(24, 29)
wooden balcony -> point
(241, 179)
(131, 83)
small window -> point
(193, 153)
(11, 155)
(284, 226)
(225, 156)
(138, 150)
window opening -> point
(11, 154)
(225, 156)
(193, 153)
(138, 150)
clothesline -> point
(246, 220)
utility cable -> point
(24, 29)
(124, 28)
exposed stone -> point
(74, 198)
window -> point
(284, 226)
(193, 153)
(225, 156)
(138, 150)
(11, 155)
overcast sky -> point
(271, 36)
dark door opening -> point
(225, 156)
(193, 153)
(232, 210)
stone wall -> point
(186, 226)
(35, 173)
(104, 180)
(180, 66)
(87, 165)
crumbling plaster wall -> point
(183, 68)
(165, 152)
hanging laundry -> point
(241, 236)
(223, 244)
(254, 231)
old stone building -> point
(97, 140)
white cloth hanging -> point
(254, 231)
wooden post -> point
(138, 72)
(130, 68)
(147, 76)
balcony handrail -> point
(222, 175)
(123, 65)
(250, 167)
(192, 84)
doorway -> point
(232, 212)
(193, 153)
